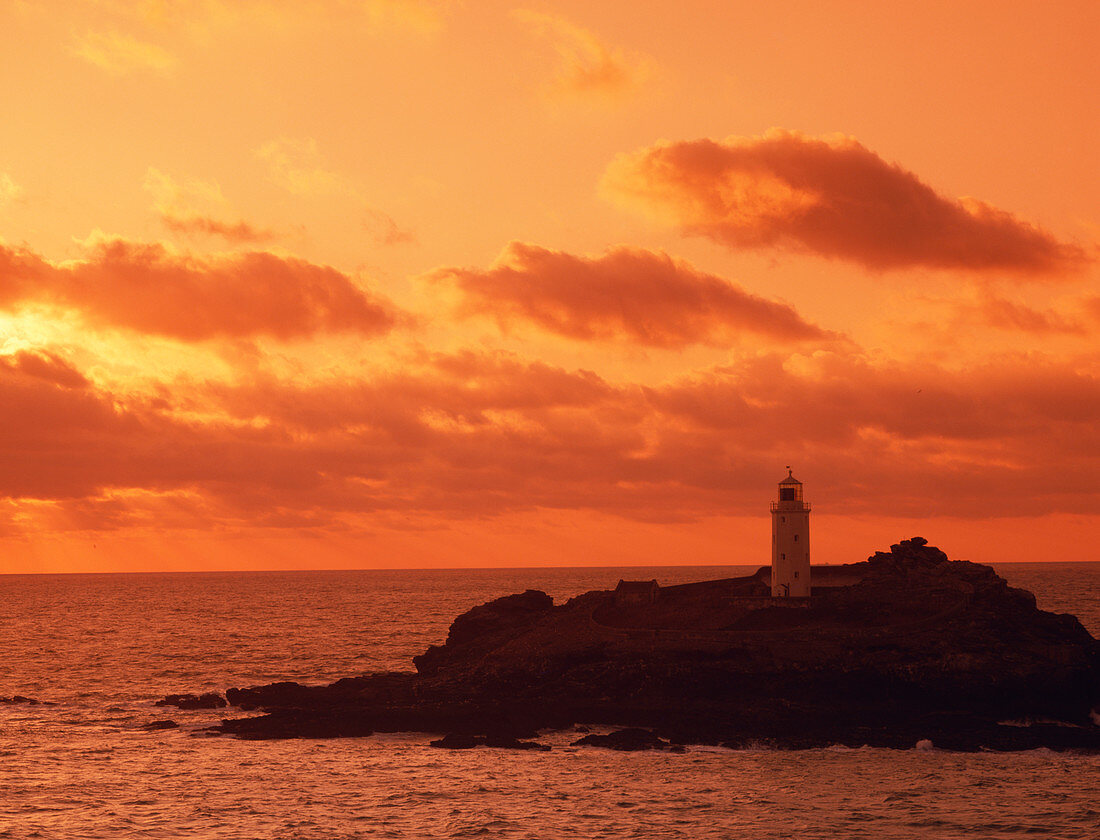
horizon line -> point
(487, 568)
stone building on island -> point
(636, 592)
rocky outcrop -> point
(464, 741)
(484, 628)
(628, 740)
(914, 647)
(159, 725)
(210, 700)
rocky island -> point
(905, 647)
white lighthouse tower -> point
(790, 541)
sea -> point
(99, 650)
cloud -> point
(173, 195)
(1092, 306)
(586, 65)
(151, 289)
(296, 166)
(119, 54)
(1010, 438)
(45, 366)
(10, 192)
(52, 424)
(202, 19)
(425, 16)
(627, 294)
(176, 201)
(1005, 314)
(239, 231)
(833, 398)
(408, 440)
(470, 435)
(831, 197)
(385, 229)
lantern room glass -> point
(790, 492)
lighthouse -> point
(790, 541)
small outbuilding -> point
(635, 592)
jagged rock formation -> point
(159, 725)
(628, 740)
(465, 741)
(912, 646)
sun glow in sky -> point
(359, 283)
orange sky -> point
(385, 283)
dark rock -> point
(506, 742)
(489, 625)
(503, 613)
(627, 740)
(911, 552)
(320, 722)
(209, 700)
(19, 699)
(458, 741)
(275, 694)
(463, 741)
(160, 724)
(905, 647)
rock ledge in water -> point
(628, 740)
(460, 741)
(210, 700)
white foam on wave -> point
(710, 748)
(1046, 721)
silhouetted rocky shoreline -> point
(905, 647)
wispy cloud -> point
(193, 206)
(119, 54)
(201, 19)
(175, 194)
(1003, 314)
(10, 192)
(385, 229)
(425, 16)
(239, 231)
(295, 164)
(586, 65)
